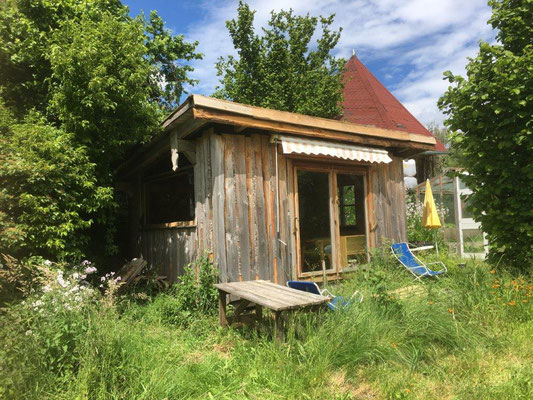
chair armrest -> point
(361, 297)
(327, 293)
(441, 263)
(422, 248)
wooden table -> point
(265, 294)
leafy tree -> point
(279, 70)
(27, 29)
(102, 80)
(100, 87)
(25, 32)
(491, 112)
(48, 191)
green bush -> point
(193, 295)
(490, 112)
(48, 191)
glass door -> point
(352, 220)
(316, 251)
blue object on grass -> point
(336, 303)
(405, 256)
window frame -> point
(334, 209)
(146, 181)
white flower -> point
(37, 304)
(102, 279)
(47, 263)
(83, 276)
(62, 282)
(75, 275)
(47, 289)
(90, 270)
(28, 332)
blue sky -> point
(407, 44)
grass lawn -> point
(468, 335)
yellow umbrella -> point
(430, 217)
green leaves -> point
(47, 191)
(278, 69)
(101, 81)
(493, 109)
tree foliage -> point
(102, 81)
(100, 86)
(491, 111)
(282, 69)
(48, 190)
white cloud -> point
(422, 37)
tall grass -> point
(461, 338)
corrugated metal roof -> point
(295, 145)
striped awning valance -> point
(296, 145)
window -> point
(315, 234)
(331, 219)
(171, 199)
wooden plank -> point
(208, 185)
(284, 268)
(260, 114)
(241, 228)
(219, 235)
(254, 297)
(279, 332)
(232, 255)
(176, 224)
(315, 132)
(268, 193)
(265, 295)
(262, 255)
(251, 190)
(292, 218)
(222, 317)
(334, 221)
(199, 196)
(286, 291)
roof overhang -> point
(197, 112)
(208, 109)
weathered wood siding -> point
(236, 206)
(235, 196)
(169, 250)
(386, 204)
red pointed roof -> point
(368, 102)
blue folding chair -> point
(336, 303)
(405, 256)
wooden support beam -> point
(181, 146)
(279, 333)
(222, 317)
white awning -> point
(296, 145)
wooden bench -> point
(260, 293)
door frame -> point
(332, 170)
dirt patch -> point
(362, 390)
(223, 349)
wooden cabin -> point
(269, 194)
